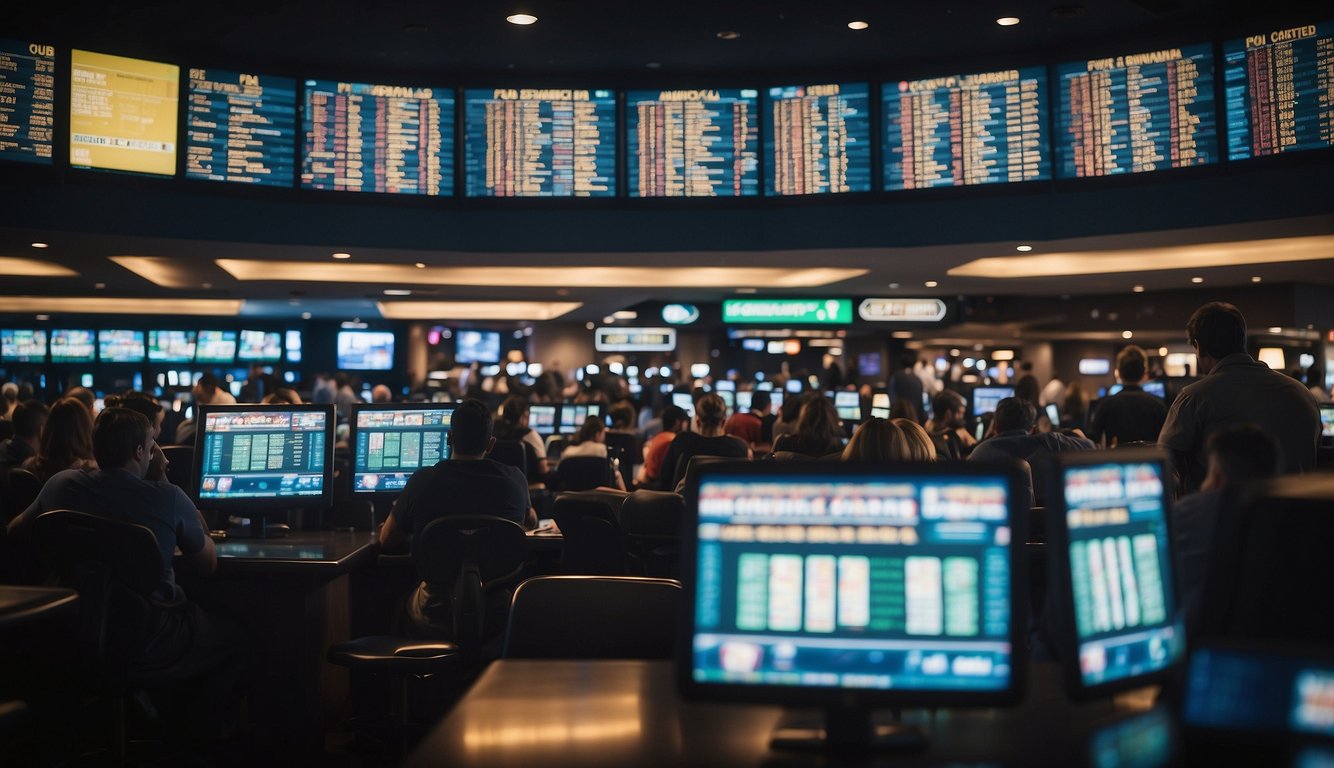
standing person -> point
(1131, 415)
(905, 385)
(1235, 389)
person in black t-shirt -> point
(709, 439)
(1132, 414)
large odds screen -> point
(818, 139)
(378, 138)
(122, 113)
(241, 127)
(540, 142)
(966, 129)
(1138, 112)
(27, 101)
(693, 143)
(1279, 86)
(263, 454)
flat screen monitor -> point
(216, 347)
(958, 130)
(794, 385)
(476, 346)
(1327, 422)
(1053, 414)
(817, 139)
(986, 398)
(70, 345)
(539, 142)
(1276, 85)
(27, 76)
(1271, 688)
(685, 402)
(250, 457)
(123, 113)
(850, 586)
(848, 405)
(23, 345)
(775, 400)
(365, 350)
(743, 400)
(728, 397)
(1143, 111)
(1156, 388)
(391, 441)
(542, 419)
(171, 346)
(362, 137)
(693, 142)
(1111, 562)
(573, 415)
(293, 346)
(880, 405)
(724, 385)
(240, 127)
(120, 346)
(260, 347)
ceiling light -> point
(1138, 289)
(43, 318)
(535, 277)
(397, 292)
(747, 290)
(1256, 279)
(858, 25)
(625, 314)
(728, 35)
(1162, 351)
(161, 270)
(93, 305)
(420, 265)
(893, 285)
(40, 245)
(590, 325)
(1127, 334)
(930, 283)
(475, 310)
(16, 267)
(1023, 248)
(521, 19)
(1275, 329)
(1007, 21)
(1197, 280)
(341, 256)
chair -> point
(629, 450)
(688, 468)
(583, 473)
(511, 453)
(116, 568)
(180, 466)
(593, 617)
(651, 525)
(591, 533)
(18, 491)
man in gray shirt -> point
(1236, 390)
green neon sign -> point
(800, 311)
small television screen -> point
(724, 385)
(120, 346)
(123, 113)
(23, 345)
(880, 405)
(817, 139)
(986, 398)
(539, 142)
(794, 385)
(171, 346)
(27, 78)
(542, 419)
(294, 346)
(73, 346)
(365, 350)
(259, 457)
(573, 415)
(1287, 689)
(241, 128)
(1156, 388)
(476, 346)
(693, 142)
(743, 400)
(1111, 556)
(391, 441)
(260, 347)
(685, 402)
(811, 583)
(216, 347)
(848, 405)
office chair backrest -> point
(651, 524)
(20, 489)
(511, 453)
(593, 617)
(689, 466)
(469, 557)
(591, 533)
(583, 473)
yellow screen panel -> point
(123, 113)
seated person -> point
(592, 441)
(750, 426)
(708, 439)
(28, 420)
(512, 424)
(674, 421)
(467, 483)
(878, 441)
(948, 426)
(818, 432)
(920, 447)
(1014, 439)
(66, 442)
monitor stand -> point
(259, 527)
(844, 729)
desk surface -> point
(594, 713)
(326, 552)
(20, 605)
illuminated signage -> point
(680, 314)
(1095, 366)
(902, 310)
(612, 339)
(821, 311)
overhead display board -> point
(240, 127)
(818, 139)
(966, 129)
(1279, 86)
(27, 101)
(902, 310)
(800, 311)
(122, 113)
(693, 143)
(613, 339)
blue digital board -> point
(1279, 91)
(241, 127)
(817, 139)
(693, 143)
(27, 101)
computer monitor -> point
(1156, 388)
(794, 386)
(542, 419)
(743, 399)
(848, 405)
(880, 405)
(729, 398)
(986, 398)
(390, 441)
(685, 402)
(849, 587)
(1285, 689)
(1111, 564)
(1327, 424)
(573, 415)
(253, 459)
(1053, 414)
(724, 385)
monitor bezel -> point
(358, 408)
(247, 504)
(1060, 580)
(826, 696)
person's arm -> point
(192, 538)
(392, 536)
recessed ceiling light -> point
(420, 265)
(590, 325)
(747, 290)
(397, 292)
(43, 318)
(893, 285)
(341, 255)
(1138, 289)
(521, 19)
(40, 245)
(1162, 351)
(1256, 279)
(608, 320)
(858, 25)
(1007, 21)
(930, 283)
(728, 35)
(1127, 334)
(1023, 248)
(1275, 329)
(19, 267)
(1197, 280)
(625, 314)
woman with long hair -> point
(66, 442)
(819, 431)
(877, 441)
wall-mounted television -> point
(365, 350)
(23, 345)
(73, 345)
(476, 346)
(216, 347)
(171, 346)
(120, 346)
(260, 346)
